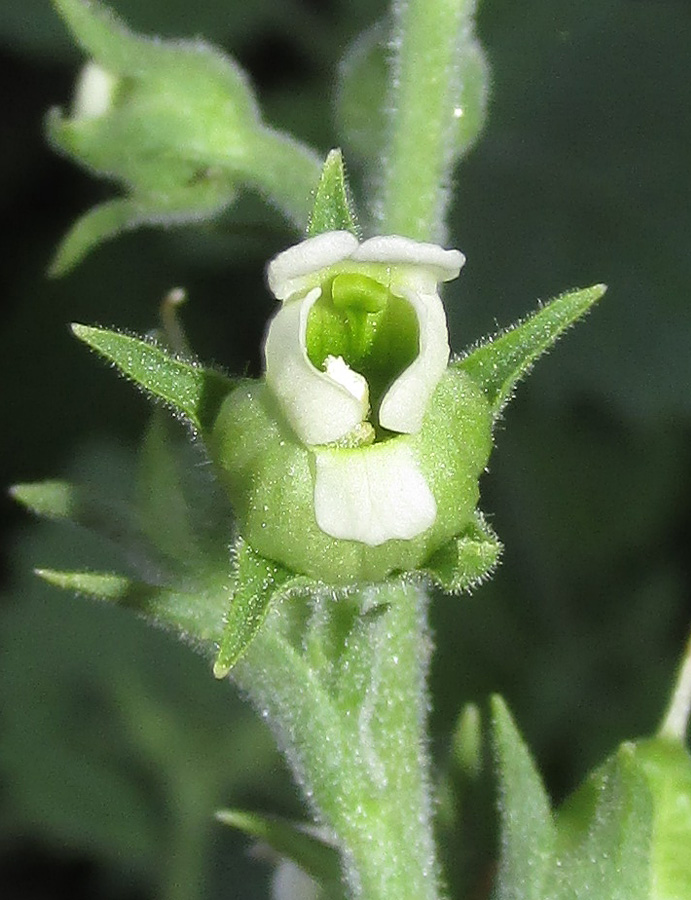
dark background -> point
(583, 174)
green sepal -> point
(293, 841)
(258, 584)
(333, 209)
(527, 827)
(188, 203)
(604, 832)
(195, 616)
(466, 560)
(193, 391)
(500, 363)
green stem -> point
(424, 103)
(355, 738)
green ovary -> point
(360, 320)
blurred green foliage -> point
(582, 175)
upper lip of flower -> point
(290, 271)
(324, 406)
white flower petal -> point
(287, 271)
(444, 265)
(372, 495)
(320, 408)
(403, 406)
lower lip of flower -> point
(372, 494)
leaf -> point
(259, 583)
(604, 833)
(192, 390)
(527, 828)
(333, 209)
(508, 357)
(196, 615)
(186, 204)
(87, 690)
(465, 561)
(297, 842)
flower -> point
(353, 357)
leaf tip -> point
(498, 706)
(221, 669)
(597, 291)
(80, 331)
(88, 334)
(17, 492)
(333, 207)
(51, 576)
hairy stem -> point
(355, 740)
(424, 109)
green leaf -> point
(527, 828)
(467, 560)
(107, 722)
(186, 204)
(197, 615)
(259, 583)
(505, 359)
(195, 392)
(294, 841)
(604, 832)
(333, 209)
